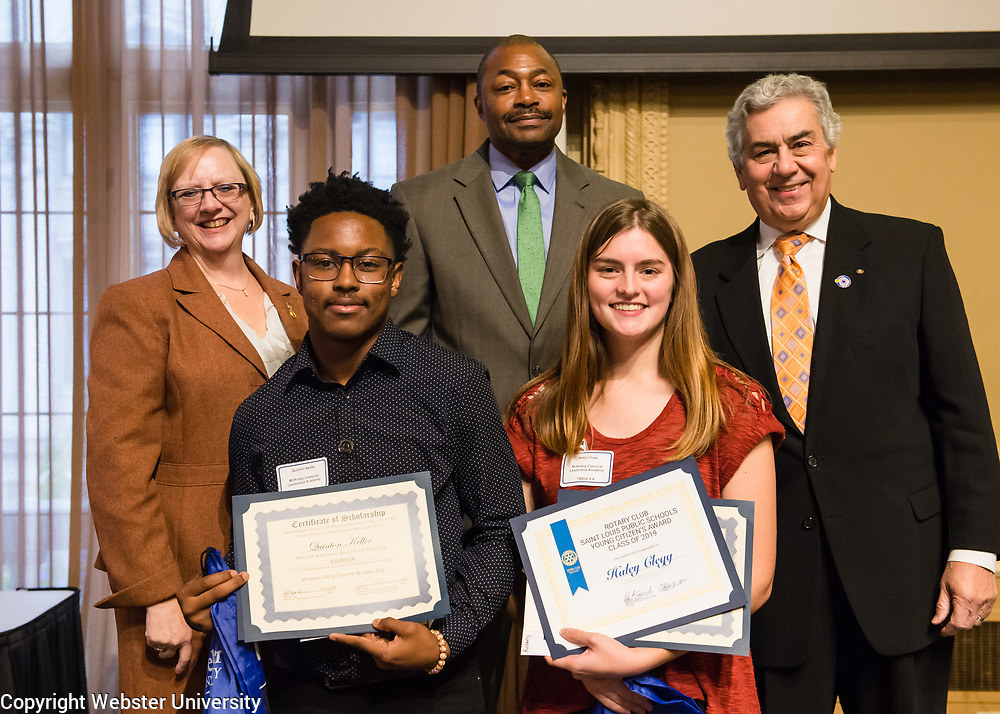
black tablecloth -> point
(44, 655)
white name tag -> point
(302, 474)
(587, 468)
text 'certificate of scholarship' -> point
(333, 559)
(633, 558)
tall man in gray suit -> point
(467, 275)
(888, 479)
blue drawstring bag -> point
(235, 674)
(666, 699)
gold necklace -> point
(230, 287)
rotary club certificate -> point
(727, 632)
(630, 559)
(332, 559)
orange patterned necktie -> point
(791, 328)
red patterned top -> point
(724, 682)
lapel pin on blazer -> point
(843, 281)
(290, 310)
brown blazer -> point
(168, 367)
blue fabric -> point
(234, 682)
(666, 699)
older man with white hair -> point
(888, 479)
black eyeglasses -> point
(224, 192)
(366, 268)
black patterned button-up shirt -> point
(411, 406)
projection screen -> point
(408, 37)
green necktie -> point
(530, 242)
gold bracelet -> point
(443, 653)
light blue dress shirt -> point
(502, 170)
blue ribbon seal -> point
(568, 556)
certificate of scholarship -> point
(332, 559)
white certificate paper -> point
(332, 559)
(727, 632)
(633, 558)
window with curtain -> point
(36, 293)
(252, 113)
(92, 95)
(147, 63)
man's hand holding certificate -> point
(332, 559)
(633, 558)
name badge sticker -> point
(587, 468)
(303, 474)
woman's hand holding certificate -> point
(604, 656)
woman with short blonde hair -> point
(172, 354)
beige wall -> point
(928, 150)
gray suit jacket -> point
(460, 286)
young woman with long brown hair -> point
(638, 378)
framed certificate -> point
(630, 559)
(332, 559)
(727, 632)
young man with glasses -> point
(376, 401)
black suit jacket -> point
(460, 285)
(898, 462)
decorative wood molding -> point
(628, 133)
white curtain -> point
(37, 540)
(92, 95)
